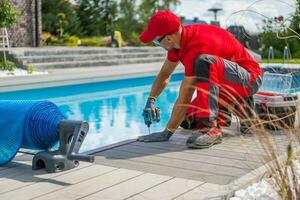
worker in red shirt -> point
(216, 65)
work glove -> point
(156, 137)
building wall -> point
(24, 34)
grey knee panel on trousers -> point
(202, 67)
(240, 76)
(236, 74)
(255, 85)
(202, 72)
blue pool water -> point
(281, 79)
(112, 108)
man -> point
(216, 65)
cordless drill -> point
(151, 116)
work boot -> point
(205, 138)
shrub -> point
(105, 41)
(96, 41)
(48, 39)
(8, 65)
(90, 41)
(72, 41)
(133, 40)
(29, 69)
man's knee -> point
(202, 67)
(254, 87)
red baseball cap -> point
(161, 23)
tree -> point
(8, 14)
(51, 15)
(133, 18)
(95, 16)
(269, 38)
(149, 7)
(62, 22)
(278, 35)
(127, 22)
(8, 18)
(295, 23)
(294, 42)
(110, 11)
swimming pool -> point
(112, 108)
(285, 80)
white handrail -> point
(4, 38)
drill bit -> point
(148, 128)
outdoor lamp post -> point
(110, 20)
(112, 35)
(215, 11)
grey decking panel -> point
(227, 146)
(176, 163)
(20, 158)
(147, 151)
(167, 171)
(179, 142)
(30, 177)
(220, 164)
(168, 190)
(241, 145)
(12, 172)
(210, 152)
(57, 182)
(129, 188)
(93, 185)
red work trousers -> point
(219, 83)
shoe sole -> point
(195, 146)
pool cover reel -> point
(27, 124)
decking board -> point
(129, 188)
(93, 185)
(175, 163)
(167, 171)
(56, 183)
(140, 171)
(168, 190)
(208, 152)
(147, 151)
(30, 177)
(204, 192)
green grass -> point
(290, 61)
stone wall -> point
(28, 30)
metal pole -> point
(286, 54)
(37, 24)
(5, 37)
(271, 53)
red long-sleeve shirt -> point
(209, 39)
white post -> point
(6, 37)
(2, 38)
(3, 43)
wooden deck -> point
(145, 171)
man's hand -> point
(156, 137)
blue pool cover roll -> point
(27, 124)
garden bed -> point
(19, 72)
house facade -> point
(28, 29)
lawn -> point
(290, 61)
